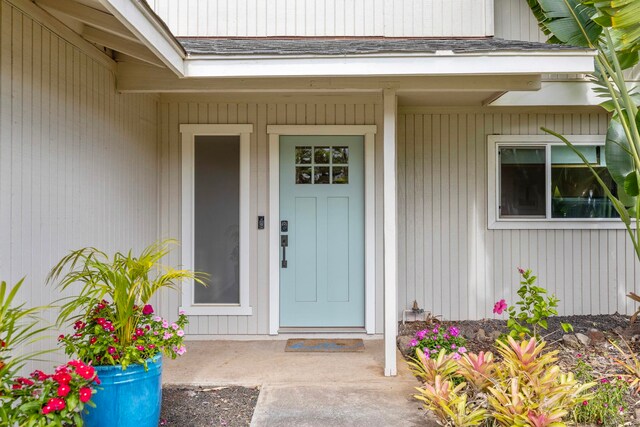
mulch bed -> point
(600, 354)
(208, 406)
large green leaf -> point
(569, 21)
(620, 161)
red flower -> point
(46, 409)
(140, 347)
(500, 306)
(56, 403)
(62, 377)
(16, 386)
(96, 380)
(111, 350)
(79, 325)
(93, 340)
(87, 372)
(24, 381)
(63, 390)
(2, 344)
(39, 375)
(147, 310)
(139, 332)
(85, 394)
(60, 337)
(100, 320)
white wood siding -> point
(452, 265)
(78, 162)
(390, 18)
(259, 110)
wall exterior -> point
(78, 162)
(259, 110)
(390, 18)
(452, 264)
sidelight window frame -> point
(189, 133)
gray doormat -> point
(313, 345)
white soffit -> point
(553, 94)
(390, 65)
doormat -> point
(324, 345)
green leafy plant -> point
(608, 405)
(19, 327)
(477, 369)
(427, 368)
(533, 309)
(126, 282)
(612, 29)
(432, 340)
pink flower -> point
(140, 347)
(111, 350)
(462, 350)
(413, 343)
(157, 319)
(454, 331)
(167, 335)
(180, 333)
(174, 326)
(165, 324)
(181, 312)
(456, 356)
(147, 310)
(521, 270)
(180, 351)
(421, 334)
(585, 403)
(500, 306)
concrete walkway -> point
(304, 389)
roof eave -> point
(488, 63)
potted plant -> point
(38, 399)
(117, 331)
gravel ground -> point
(208, 406)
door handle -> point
(284, 242)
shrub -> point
(533, 309)
(608, 406)
(432, 340)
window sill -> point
(557, 224)
(217, 310)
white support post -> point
(390, 235)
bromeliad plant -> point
(112, 315)
(525, 388)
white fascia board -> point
(151, 33)
(553, 94)
(390, 65)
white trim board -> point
(386, 65)
(368, 132)
(189, 132)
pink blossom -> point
(500, 306)
(462, 350)
(165, 324)
(456, 356)
(180, 351)
(174, 326)
(181, 312)
(454, 331)
(521, 270)
(421, 334)
(157, 319)
(147, 310)
(180, 333)
(167, 335)
(413, 343)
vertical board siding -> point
(174, 112)
(453, 265)
(317, 18)
(78, 162)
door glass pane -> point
(216, 215)
(303, 175)
(322, 155)
(321, 175)
(303, 155)
(340, 175)
(575, 193)
(522, 182)
(340, 155)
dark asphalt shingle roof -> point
(358, 46)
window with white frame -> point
(537, 181)
(215, 218)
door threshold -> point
(331, 330)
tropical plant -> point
(125, 283)
(608, 405)
(19, 327)
(612, 29)
(427, 368)
(477, 369)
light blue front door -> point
(322, 225)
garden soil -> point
(207, 406)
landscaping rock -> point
(570, 340)
(494, 335)
(481, 335)
(403, 344)
(596, 335)
(584, 340)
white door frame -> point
(368, 132)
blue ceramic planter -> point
(129, 398)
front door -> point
(322, 231)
